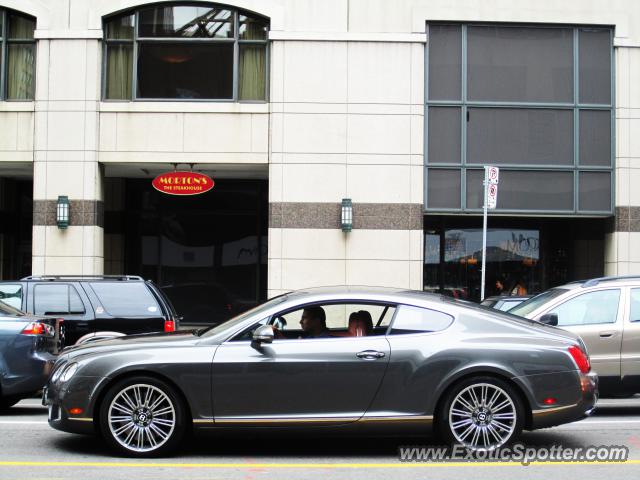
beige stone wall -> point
(346, 122)
(345, 119)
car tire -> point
(8, 402)
(142, 417)
(481, 413)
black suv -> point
(94, 307)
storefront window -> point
(17, 56)
(523, 256)
(186, 52)
(518, 97)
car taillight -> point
(35, 328)
(169, 326)
(581, 359)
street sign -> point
(492, 196)
(490, 183)
(493, 175)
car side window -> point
(419, 320)
(52, 299)
(11, 295)
(348, 319)
(634, 313)
(591, 308)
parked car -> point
(411, 363)
(605, 312)
(28, 348)
(504, 303)
(94, 307)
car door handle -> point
(607, 334)
(370, 354)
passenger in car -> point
(314, 323)
(360, 324)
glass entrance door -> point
(207, 252)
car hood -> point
(130, 342)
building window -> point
(536, 101)
(17, 56)
(186, 52)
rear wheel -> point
(481, 413)
(142, 417)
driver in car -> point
(313, 323)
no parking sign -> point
(493, 176)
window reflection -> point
(524, 256)
(186, 21)
(186, 52)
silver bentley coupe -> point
(360, 360)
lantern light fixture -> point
(62, 212)
(347, 215)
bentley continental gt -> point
(361, 360)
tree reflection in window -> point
(199, 52)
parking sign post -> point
(491, 177)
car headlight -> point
(69, 372)
(56, 374)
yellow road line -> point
(301, 465)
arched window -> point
(185, 52)
(17, 56)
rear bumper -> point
(29, 376)
(557, 415)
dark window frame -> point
(5, 42)
(576, 107)
(137, 40)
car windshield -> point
(9, 310)
(213, 330)
(532, 304)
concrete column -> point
(343, 128)
(65, 157)
(622, 244)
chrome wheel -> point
(482, 417)
(141, 418)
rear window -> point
(126, 299)
(532, 304)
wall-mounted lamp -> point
(62, 212)
(347, 215)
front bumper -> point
(557, 415)
(60, 399)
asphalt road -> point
(30, 449)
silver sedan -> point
(361, 360)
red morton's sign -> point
(183, 183)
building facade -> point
(293, 105)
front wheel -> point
(482, 414)
(142, 417)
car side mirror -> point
(263, 334)
(549, 319)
